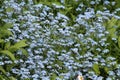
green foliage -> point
(17, 45)
(8, 49)
(8, 53)
(112, 26)
(4, 32)
(119, 41)
(53, 76)
(96, 68)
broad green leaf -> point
(96, 68)
(119, 41)
(8, 53)
(2, 69)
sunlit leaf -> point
(96, 68)
(7, 45)
(1, 40)
(9, 9)
(2, 69)
(8, 53)
(119, 41)
(112, 33)
(53, 77)
(18, 45)
(24, 52)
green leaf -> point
(12, 78)
(4, 33)
(7, 45)
(111, 23)
(2, 69)
(96, 68)
(106, 69)
(57, 3)
(73, 17)
(9, 9)
(68, 10)
(18, 45)
(119, 41)
(1, 40)
(8, 53)
(112, 32)
(53, 76)
(7, 25)
(24, 52)
(21, 43)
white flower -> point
(111, 73)
(106, 2)
(92, 2)
(99, 78)
(105, 51)
(108, 78)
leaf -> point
(96, 68)
(53, 76)
(73, 17)
(10, 66)
(18, 45)
(119, 41)
(9, 9)
(12, 78)
(1, 40)
(2, 69)
(7, 25)
(8, 53)
(24, 52)
(7, 45)
(21, 43)
(4, 33)
(112, 32)
(57, 3)
(68, 10)
(45, 3)
(106, 69)
(111, 23)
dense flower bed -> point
(66, 38)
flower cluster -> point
(56, 48)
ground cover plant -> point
(8, 49)
(60, 39)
